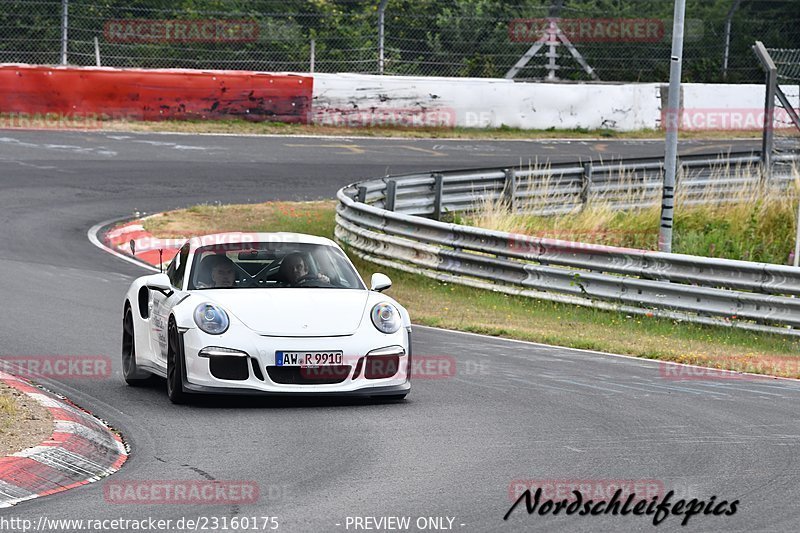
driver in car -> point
(294, 270)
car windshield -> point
(272, 265)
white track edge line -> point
(382, 138)
(92, 235)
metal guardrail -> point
(384, 221)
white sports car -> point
(274, 313)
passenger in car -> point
(217, 272)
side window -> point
(177, 268)
(171, 268)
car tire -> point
(134, 376)
(175, 365)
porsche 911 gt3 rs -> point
(265, 313)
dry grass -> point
(23, 421)
(756, 223)
(277, 128)
(8, 409)
(445, 305)
(272, 216)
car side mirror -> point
(160, 283)
(380, 282)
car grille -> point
(295, 375)
(230, 368)
(381, 366)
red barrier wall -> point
(155, 94)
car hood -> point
(294, 312)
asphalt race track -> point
(512, 411)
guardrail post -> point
(682, 173)
(586, 184)
(438, 183)
(767, 139)
(391, 194)
(362, 194)
(510, 190)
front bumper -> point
(253, 369)
(392, 390)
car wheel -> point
(130, 371)
(175, 364)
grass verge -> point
(434, 303)
(245, 127)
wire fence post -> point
(552, 52)
(313, 56)
(673, 122)
(728, 21)
(381, 34)
(97, 52)
(64, 30)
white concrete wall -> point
(361, 100)
(709, 106)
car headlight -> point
(211, 319)
(386, 317)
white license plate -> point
(332, 358)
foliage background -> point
(423, 37)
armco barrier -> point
(154, 94)
(380, 221)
